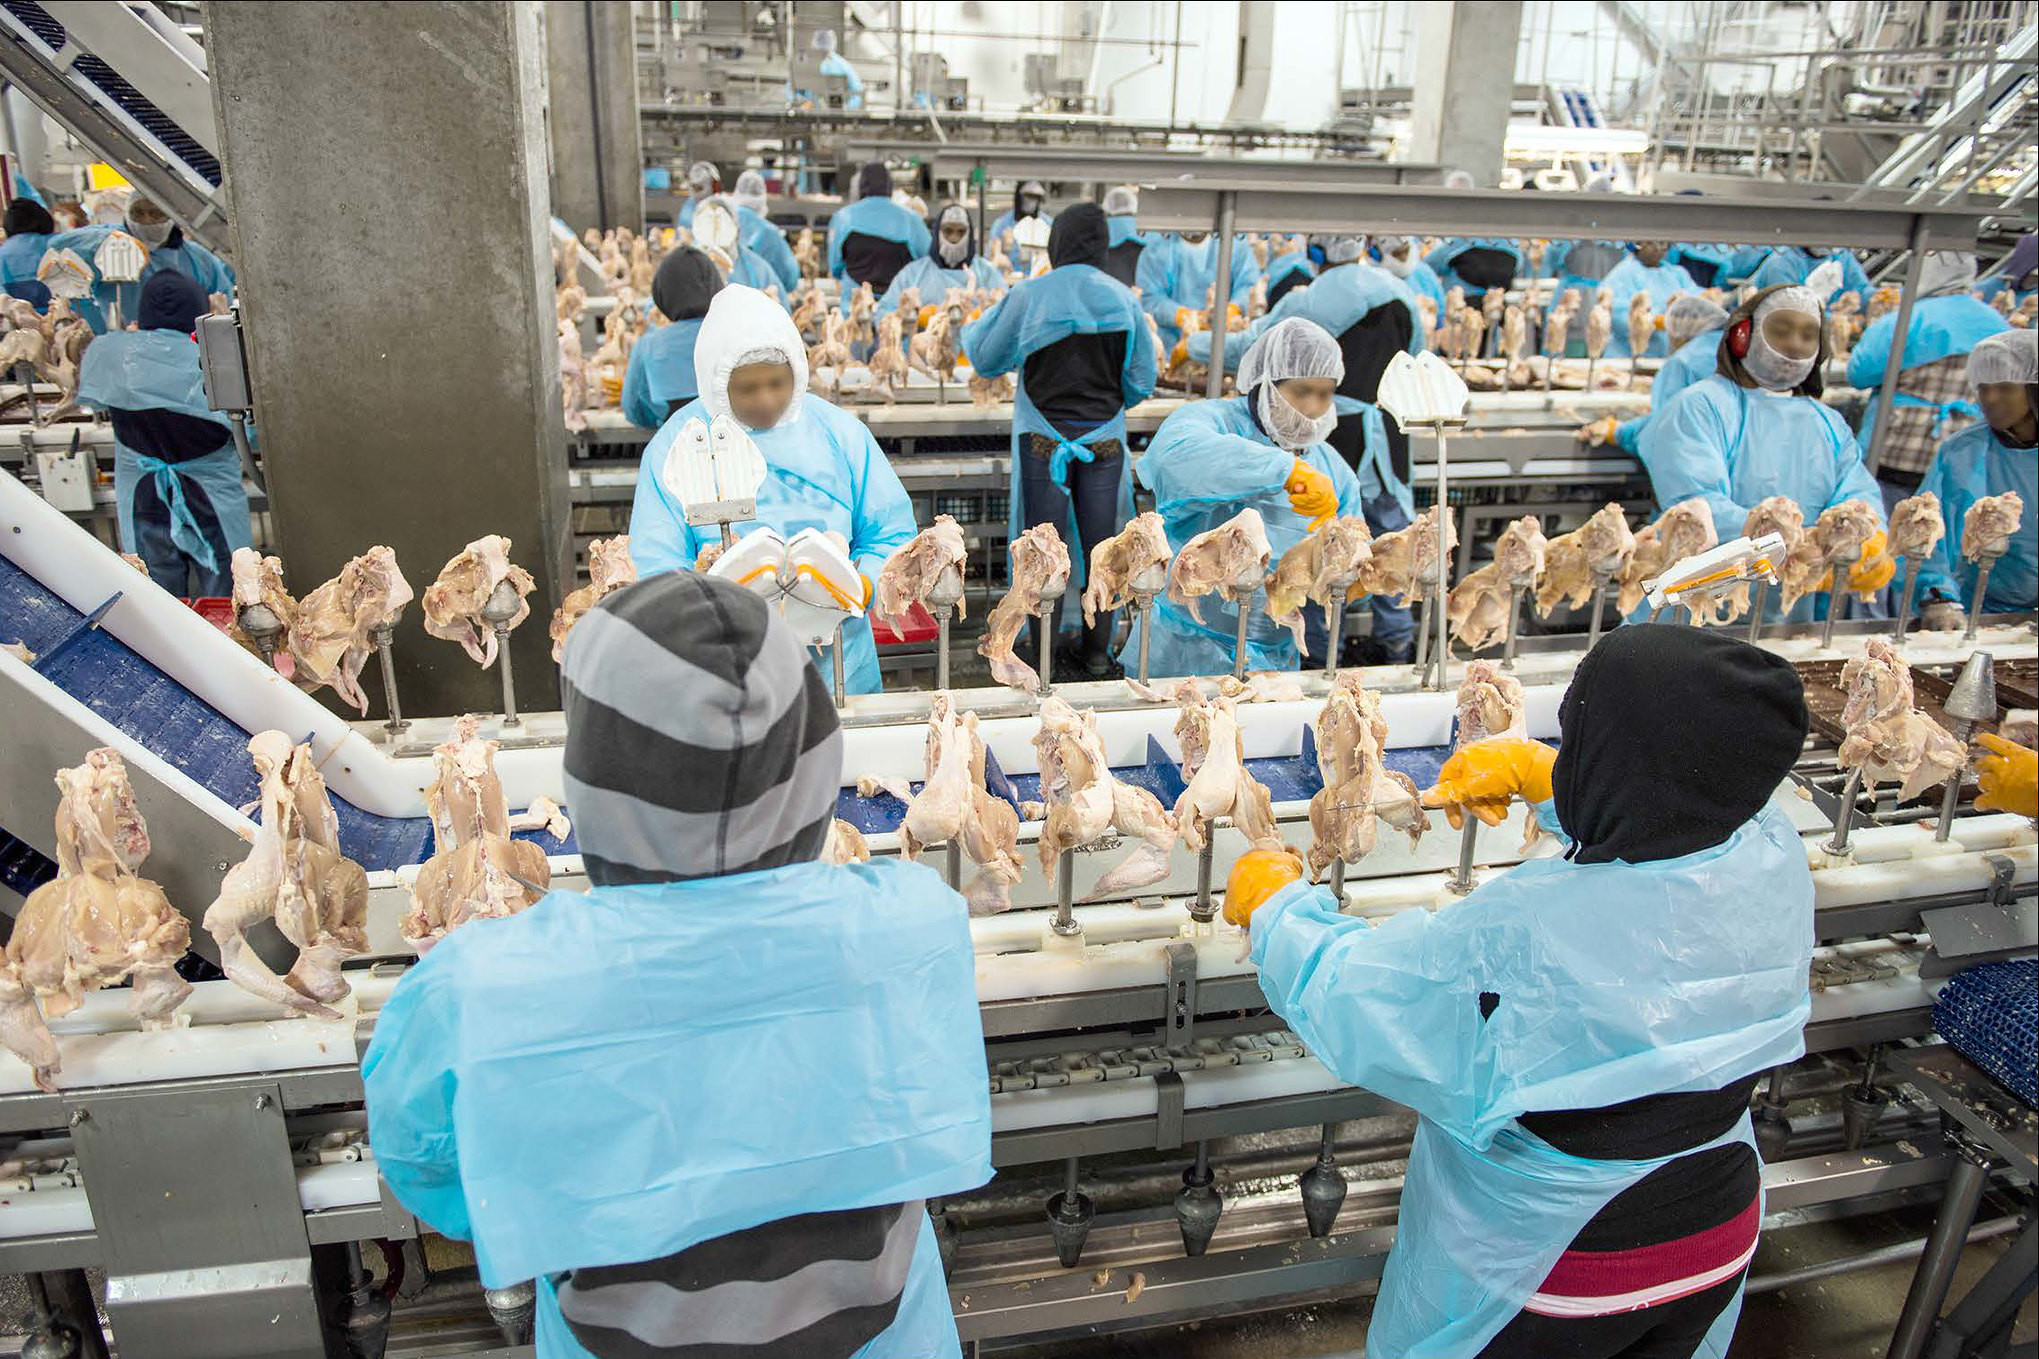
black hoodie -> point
(1075, 382)
(1081, 235)
(684, 284)
(170, 301)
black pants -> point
(1094, 489)
(1670, 1331)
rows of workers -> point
(1583, 1181)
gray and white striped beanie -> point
(700, 741)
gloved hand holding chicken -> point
(1482, 777)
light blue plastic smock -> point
(1942, 327)
(824, 471)
(1440, 259)
(1424, 282)
(836, 64)
(1616, 981)
(1071, 299)
(20, 257)
(1698, 357)
(661, 371)
(1742, 261)
(1119, 230)
(144, 370)
(936, 283)
(684, 214)
(1661, 284)
(1208, 461)
(880, 217)
(1790, 264)
(757, 233)
(1975, 463)
(1711, 254)
(1173, 273)
(752, 271)
(1734, 447)
(1001, 231)
(1586, 278)
(24, 189)
(717, 1054)
(189, 258)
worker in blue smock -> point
(1475, 264)
(834, 63)
(872, 239)
(1931, 401)
(1398, 257)
(1705, 261)
(1795, 263)
(1083, 354)
(1176, 275)
(824, 470)
(706, 1138)
(1584, 267)
(2000, 454)
(1757, 428)
(1645, 271)
(660, 378)
(760, 234)
(1122, 216)
(1581, 1035)
(2019, 272)
(168, 250)
(29, 228)
(1288, 268)
(1694, 326)
(1028, 200)
(704, 181)
(952, 264)
(717, 232)
(176, 475)
(1268, 450)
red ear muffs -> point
(1738, 337)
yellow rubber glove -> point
(1599, 432)
(927, 314)
(1875, 567)
(1311, 494)
(2009, 776)
(1483, 776)
(1256, 876)
(1179, 355)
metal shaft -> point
(1756, 607)
(1837, 604)
(1045, 621)
(1423, 638)
(1844, 819)
(1981, 591)
(952, 865)
(1600, 584)
(835, 662)
(942, 617)
(1065, 895)
(510, 718)
(1204, 909)
(1221, 295)
(1462, 881)
(1951, 798)
(1146, 626)
(1239, 637)
(1338, 881)
(1514, 625)
(1443, 559)
(1965, 1184)
(396, 723)
(1334, 622)
(1904, 601)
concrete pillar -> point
(597, 155)
(1465, 55)
(386, 163)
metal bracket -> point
(1179, 1013)
(2002, 873)
(1168, 1103)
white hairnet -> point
(1690, 314)
(1795, 298)
(1388, 245)
(1121, 200)
(824, 41)
(2007, 356)
(1946, 271)
(701, 176)
(1291, 348)
(1343, 249)
(1459, 179)
(1771, 368)
(743, 326)
(750, 191)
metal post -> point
(835, 663)
(1334, 622)
(1461, 882)
(1239, 642)
(381, 637)
(510, 718)
(1423, 634)
(943, 596)
(1600, 584)
(1756, 609)
(1443, 558)
(1514, 621)
(1965, 1184)
(1904, 601)
(1221, 297)
(952, 865)
(1981, 592)
(1065, 895)
(1044, 622)
(239, 420)
(1145, 603)
(942, 618)
(1844, 819)
(1338, 881)
(1887, 394)
(1204, 909)
(1837, 602)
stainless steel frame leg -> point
(1965, 1184)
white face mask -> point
(1771, 368)
(151, 234)
(1400, 267)
(1287, 426)
(953, 254)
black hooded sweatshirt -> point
(1075, 382)
(873, 259)
(685, 283)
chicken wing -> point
(1139, 549)
(610, 568)
(1040, 570)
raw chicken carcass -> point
(610, 568)
(258, 584)
(1888, 739)
(1217, 782)
(296, 875)
(95, 924)
(936, 350)
(475, 868)
(990, 393)
(575, 390)
(954, 805)
(1685, 530)
(1481, 606)
(1139, 549)
(1987, 528)
(1599, 326)
(1490, 703)
(887, 364)
(1359, 790)
(453, 603)
(845, 844)
(1642, 325)
(1841, 533)
(1801, 572)
(1319, 570)
(1843, 316)
(1404, 563)
(1597, 550)
(1083, 800)
(1040, 570)
(1230, 559)
(910, 573)
(1916, 527)
(335, 627)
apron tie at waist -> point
(1067, 451)
(1944, 410)
(184, 529)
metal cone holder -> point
(383, 637)
(942, 598)
(264, 629)
(1144, 587)
(502, 606)
(1423, 391)
(1983, 563)
(1971, 700)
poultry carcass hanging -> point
(334, 631)
(1230, 559)
(1889, 739)
(1319, 570)
(1916, 527)
(910, 573)
(1217, 783)
(295, 875)
(1404, 563)
(1684, 530)
(1597, 550)
(1490, 703)
(610, 568)
(476, 870)
(1137, 550)
(258, 584)
(1841, 533)
(953, 805)
(1040, 570)
(1987, 527)
(454, 602)
(1359, 789)
(1480, 606)
(1801, 571)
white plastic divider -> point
(68, 1212)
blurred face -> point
(1651, 253)
(1195, 237)
(1793, 334)
(955, 232)
(1029, 205)
(1310, 396)
(760, 392)
(2006, 405)
(144, 213)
